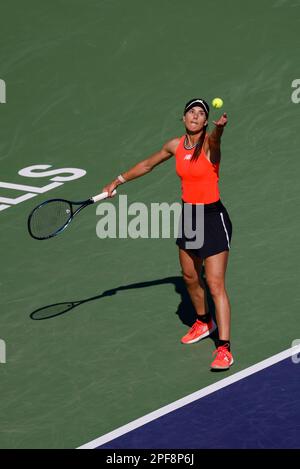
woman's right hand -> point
(111, 187)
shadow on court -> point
(185, 310)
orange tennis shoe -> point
(223, 360)
(198, 331)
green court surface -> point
(100, 85)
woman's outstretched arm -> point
(144, 166)
(214, 139)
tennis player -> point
(197, 155)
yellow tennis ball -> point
(217, 102)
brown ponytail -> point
(199, 145)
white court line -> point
(191, 398)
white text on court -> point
(37, 171)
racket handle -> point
(102, 196)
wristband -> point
(121, 179)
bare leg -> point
(215, 269)
(191, 269)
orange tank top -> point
(199, 179)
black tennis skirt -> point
(216, 230)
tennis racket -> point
(54, 215)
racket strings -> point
(49, 218)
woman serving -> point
(197, 154)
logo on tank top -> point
(187, 157)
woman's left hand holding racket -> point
(110, 188)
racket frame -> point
(83, 204)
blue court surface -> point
(256, 408)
